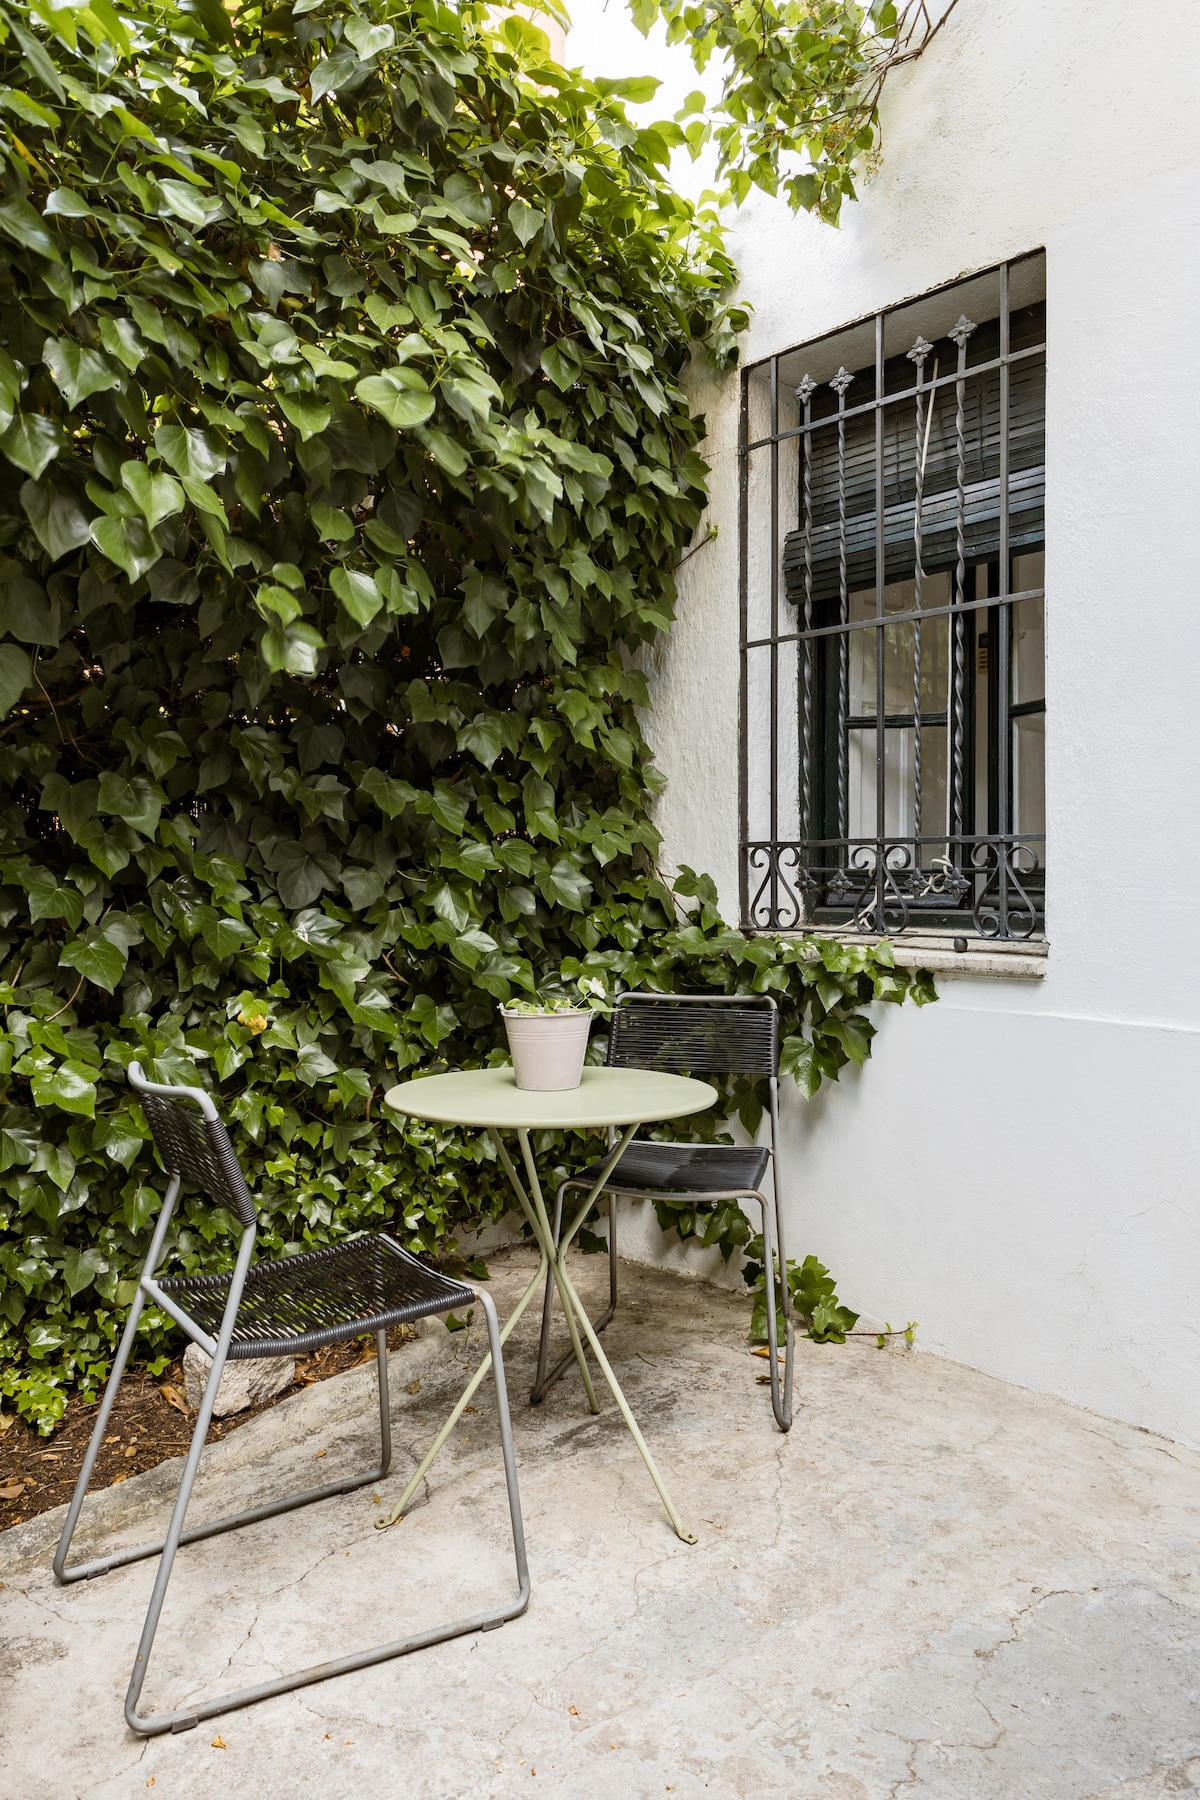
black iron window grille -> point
(892, 619)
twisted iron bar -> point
(839, 384)
(804, 394)
(917, 355)
(959, 333)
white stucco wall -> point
(1017, 1167)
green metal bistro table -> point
(491, 1100)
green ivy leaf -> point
(32, 441)
(525, 220)
(16, 673)
(225, 937)
(306, 412)
(101, 962)
(81, 1267)
(23, 225)
(77, 371)
(357, 593)
(69, 1085)
(565, 884)
(75, 803)
(399, 395)
(134, 798)
(295, 647)
(190, 452)
(57, 515)
(303, 873)
(335, 526)
(57, 1161)
(156, 497)
(128, 543)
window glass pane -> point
(1029, 776)
(900, 738)
(1029, 631)
(899, 648)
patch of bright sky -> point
(604, 42)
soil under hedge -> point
(150, 1422)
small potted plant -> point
(548, 1035)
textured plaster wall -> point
(1017, 1168)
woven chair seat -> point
(321, 1296)
(687, 1168)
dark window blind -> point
(982, 497)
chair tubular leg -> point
(781, 1397)
(781, 1403)
(183, 1718)
(252, 1515)
(543, 1380)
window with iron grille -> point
(892, 618)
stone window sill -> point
(934, 950)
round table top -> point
(603, 1097)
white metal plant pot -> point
(547, 1048)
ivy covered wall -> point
(343, 468)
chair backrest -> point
(695, 1034)
(194, 1144)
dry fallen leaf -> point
(151, 1781)
(415, 1388)
(219, 1743)
(764, 1351)
(6, 1420)
(132, 1450)
(13, 1490)
(320, 1454)
(174, 1398)
(118, 1479)
(574, 1711)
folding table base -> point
(552, 1266)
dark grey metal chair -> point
(272, 1309)
(693, 1034)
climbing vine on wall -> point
(344, 460)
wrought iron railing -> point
(892, 607)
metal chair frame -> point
(781, 1401)
(222, 1180)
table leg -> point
(546, 1237)
(681, 1531)
(535, 1212)
(463, 1401)
(533, 1205)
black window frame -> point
(989, 879)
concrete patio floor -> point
(937, 1586)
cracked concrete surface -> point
(937, 1587)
